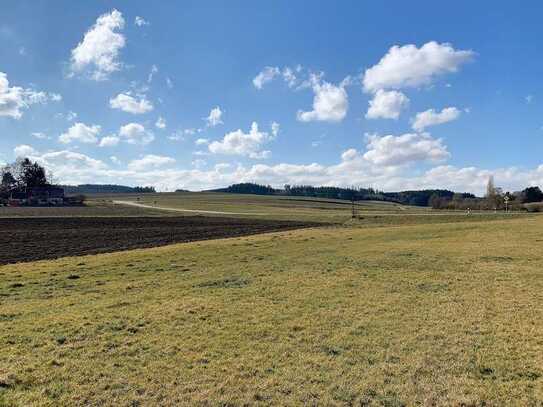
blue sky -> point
(200, 94)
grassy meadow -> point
(261, 206)
(330, 211)
(410, 312)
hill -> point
(105, 189)
(417, 198)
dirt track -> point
(31, 239)
(138, 205)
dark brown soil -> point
(31, 239)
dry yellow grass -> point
(432, 314)
(262, 206)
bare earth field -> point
(30, 239)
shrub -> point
(534, 207)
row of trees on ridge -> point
(495, 198)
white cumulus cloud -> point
(135, 133)
(409, 66)
(387, 105)
(268, 74)
(199, 163)
(349, 154)
(275, 129)
(71, 161)
(214, 118)
(150, 161)
(70, 167)
(352, 169)
(24, 150)
(14, 99)
(201, 141)
(289, 76)
(82, 133)
(431, 118)
(329, 104)
(70, 116)
(55, 97)
(109, 141)
(140, 21)
(160, 123)
(40, 135)
(244, 144)
(99, 50)
(130, 104)
(404, 149)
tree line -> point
(530, 199)
(495, 198)
(418, 198)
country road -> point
(130, 203)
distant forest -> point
(105, 189)
(417, 198)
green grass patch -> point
(422, 314)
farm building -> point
(44, 195)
